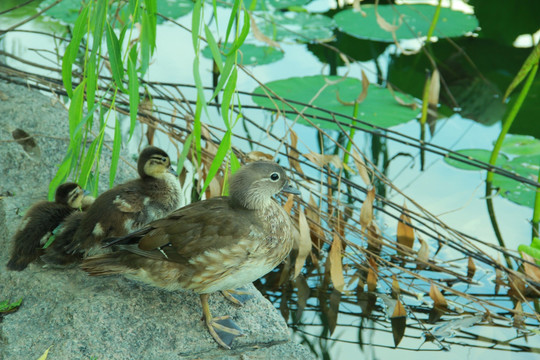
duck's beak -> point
(172, 171)
(291, 190)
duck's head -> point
(255, 183)
(70, 194)
(154, 162)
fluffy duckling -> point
(127, 207)
(40, 220)
(218, 244)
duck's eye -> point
(164, 159)
(274, 176)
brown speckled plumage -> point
(40, 220)
(129, 206)
(217, 244)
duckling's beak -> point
(291, 190)
(86, 192)
(172, 171)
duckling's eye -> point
(274, 176)
(164, 159)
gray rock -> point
(81, 317)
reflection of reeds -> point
(376, 269)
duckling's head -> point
(70, 194)
(255, 183)
(154, 162)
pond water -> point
(455, 196)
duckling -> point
(40, 220)
(127, 207)
(218, 244)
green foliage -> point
(7, 306)
(416, 21)
(379, 108)
(249, 54)
(533, 249)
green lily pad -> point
(251, 54)
(299, 26)
(416, 22)
(515, 191)
(173, 9)
(521, 145)
(379, 107)
(478, 154)
(266, 4)
(66, 11)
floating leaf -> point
(516, 191)
(336, 265)
(173, 9)
(304, 243)
(66, 11)
(520, 145)
(250, 54)
(405, 233)
(448, 329)
(475, 154)
(379, 108)
(266, 4)
(416, 22)
(299, 26)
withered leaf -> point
(303, 242)
(437, 297)
(434, 88)
(519, 320)
(366, 212)
(405, 233)
(260, 36)
(317, 232)
(293, 153)
(303, 295)
(423, 254)
(374, 238)
(336, 265)
(333, 311)
(531, 270)
(363, 171)
(471, 268)
(371, 280)
(395, 287)
(289, 204)
(257, 156)
(322, 160)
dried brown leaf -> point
(366, 212)
(257, 156)
(289, 204)
(519, 320)
(434, 89)
(336, 265)
(374, 238)
(293, 154)
(260, 36)
(303, 295)
(303, 243)
(399, 310)
(471, 268)
(531, 270)
(399, 100)
(437, 297)
(322, 160)
(333, 311)
(371, 280)
(423, 254)
(317, 232)
(405, 233)
(395, 287)
(365, 87)
(363, 171)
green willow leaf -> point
(243, 34)
(133, 95)
(88, 163)
(117, 145)
(184, 153)
(228, 94)
(229, 64)
(76, 109)
(91, 82)
(79, 30)
(115, 57)
(222, 151)
(213, 46)
(196, 24)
